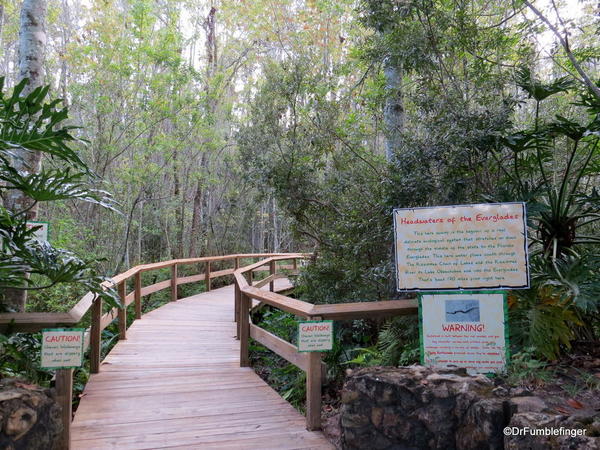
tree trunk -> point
(393, 110)
(32, 43)
(196, 220)
(178, 244)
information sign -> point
(481, 246)
(41, 234)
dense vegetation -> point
(224, 127)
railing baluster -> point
(207, 276)
(272, 272)
(122, 288)
(237, 310)
(64, 394)
(174, 293)
(244, 326)
(138, 295)
(95, 336)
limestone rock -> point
(414, 407)
(29, 417)
(417, 408)
(540, 431)
(527, 404)
(20, 422)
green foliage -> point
(397, 345)
(19, 357)
(555, 168)
(31, 124)
(538, 90)
(524, 368)
(366, 356)
(398, 342)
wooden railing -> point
(32, 322)
(246, 291)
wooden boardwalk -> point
(176, 383)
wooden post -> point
(174, 294)
(207, 276)
(138, 295)
(295, 263)
(272, 272)
(237, 310)
(122, 288)
(64, 394)
(237, 263)
(250, 277)
(313, 390)
(95, 336)
(244, 326)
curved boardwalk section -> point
(176, 383)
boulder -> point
(415, 407)
(543, 431)
(29, 417)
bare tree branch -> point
(564, 42)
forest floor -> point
(571, 385)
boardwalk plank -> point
(176, 383)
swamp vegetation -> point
(183, 128)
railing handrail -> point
(35, 321)
(337, 311)
(309, 362)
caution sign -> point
(315, 336)
(62, 348)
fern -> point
(399, 341)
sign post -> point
(461, 259)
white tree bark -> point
(32, 46)
(32, 43)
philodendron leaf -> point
(55, 184)
(538, 90)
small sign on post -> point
(315, 336)
(41, 234)
(62, 348)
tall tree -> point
(32, 46)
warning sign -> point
(464, 329)
(315, 336)
(62, 348)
